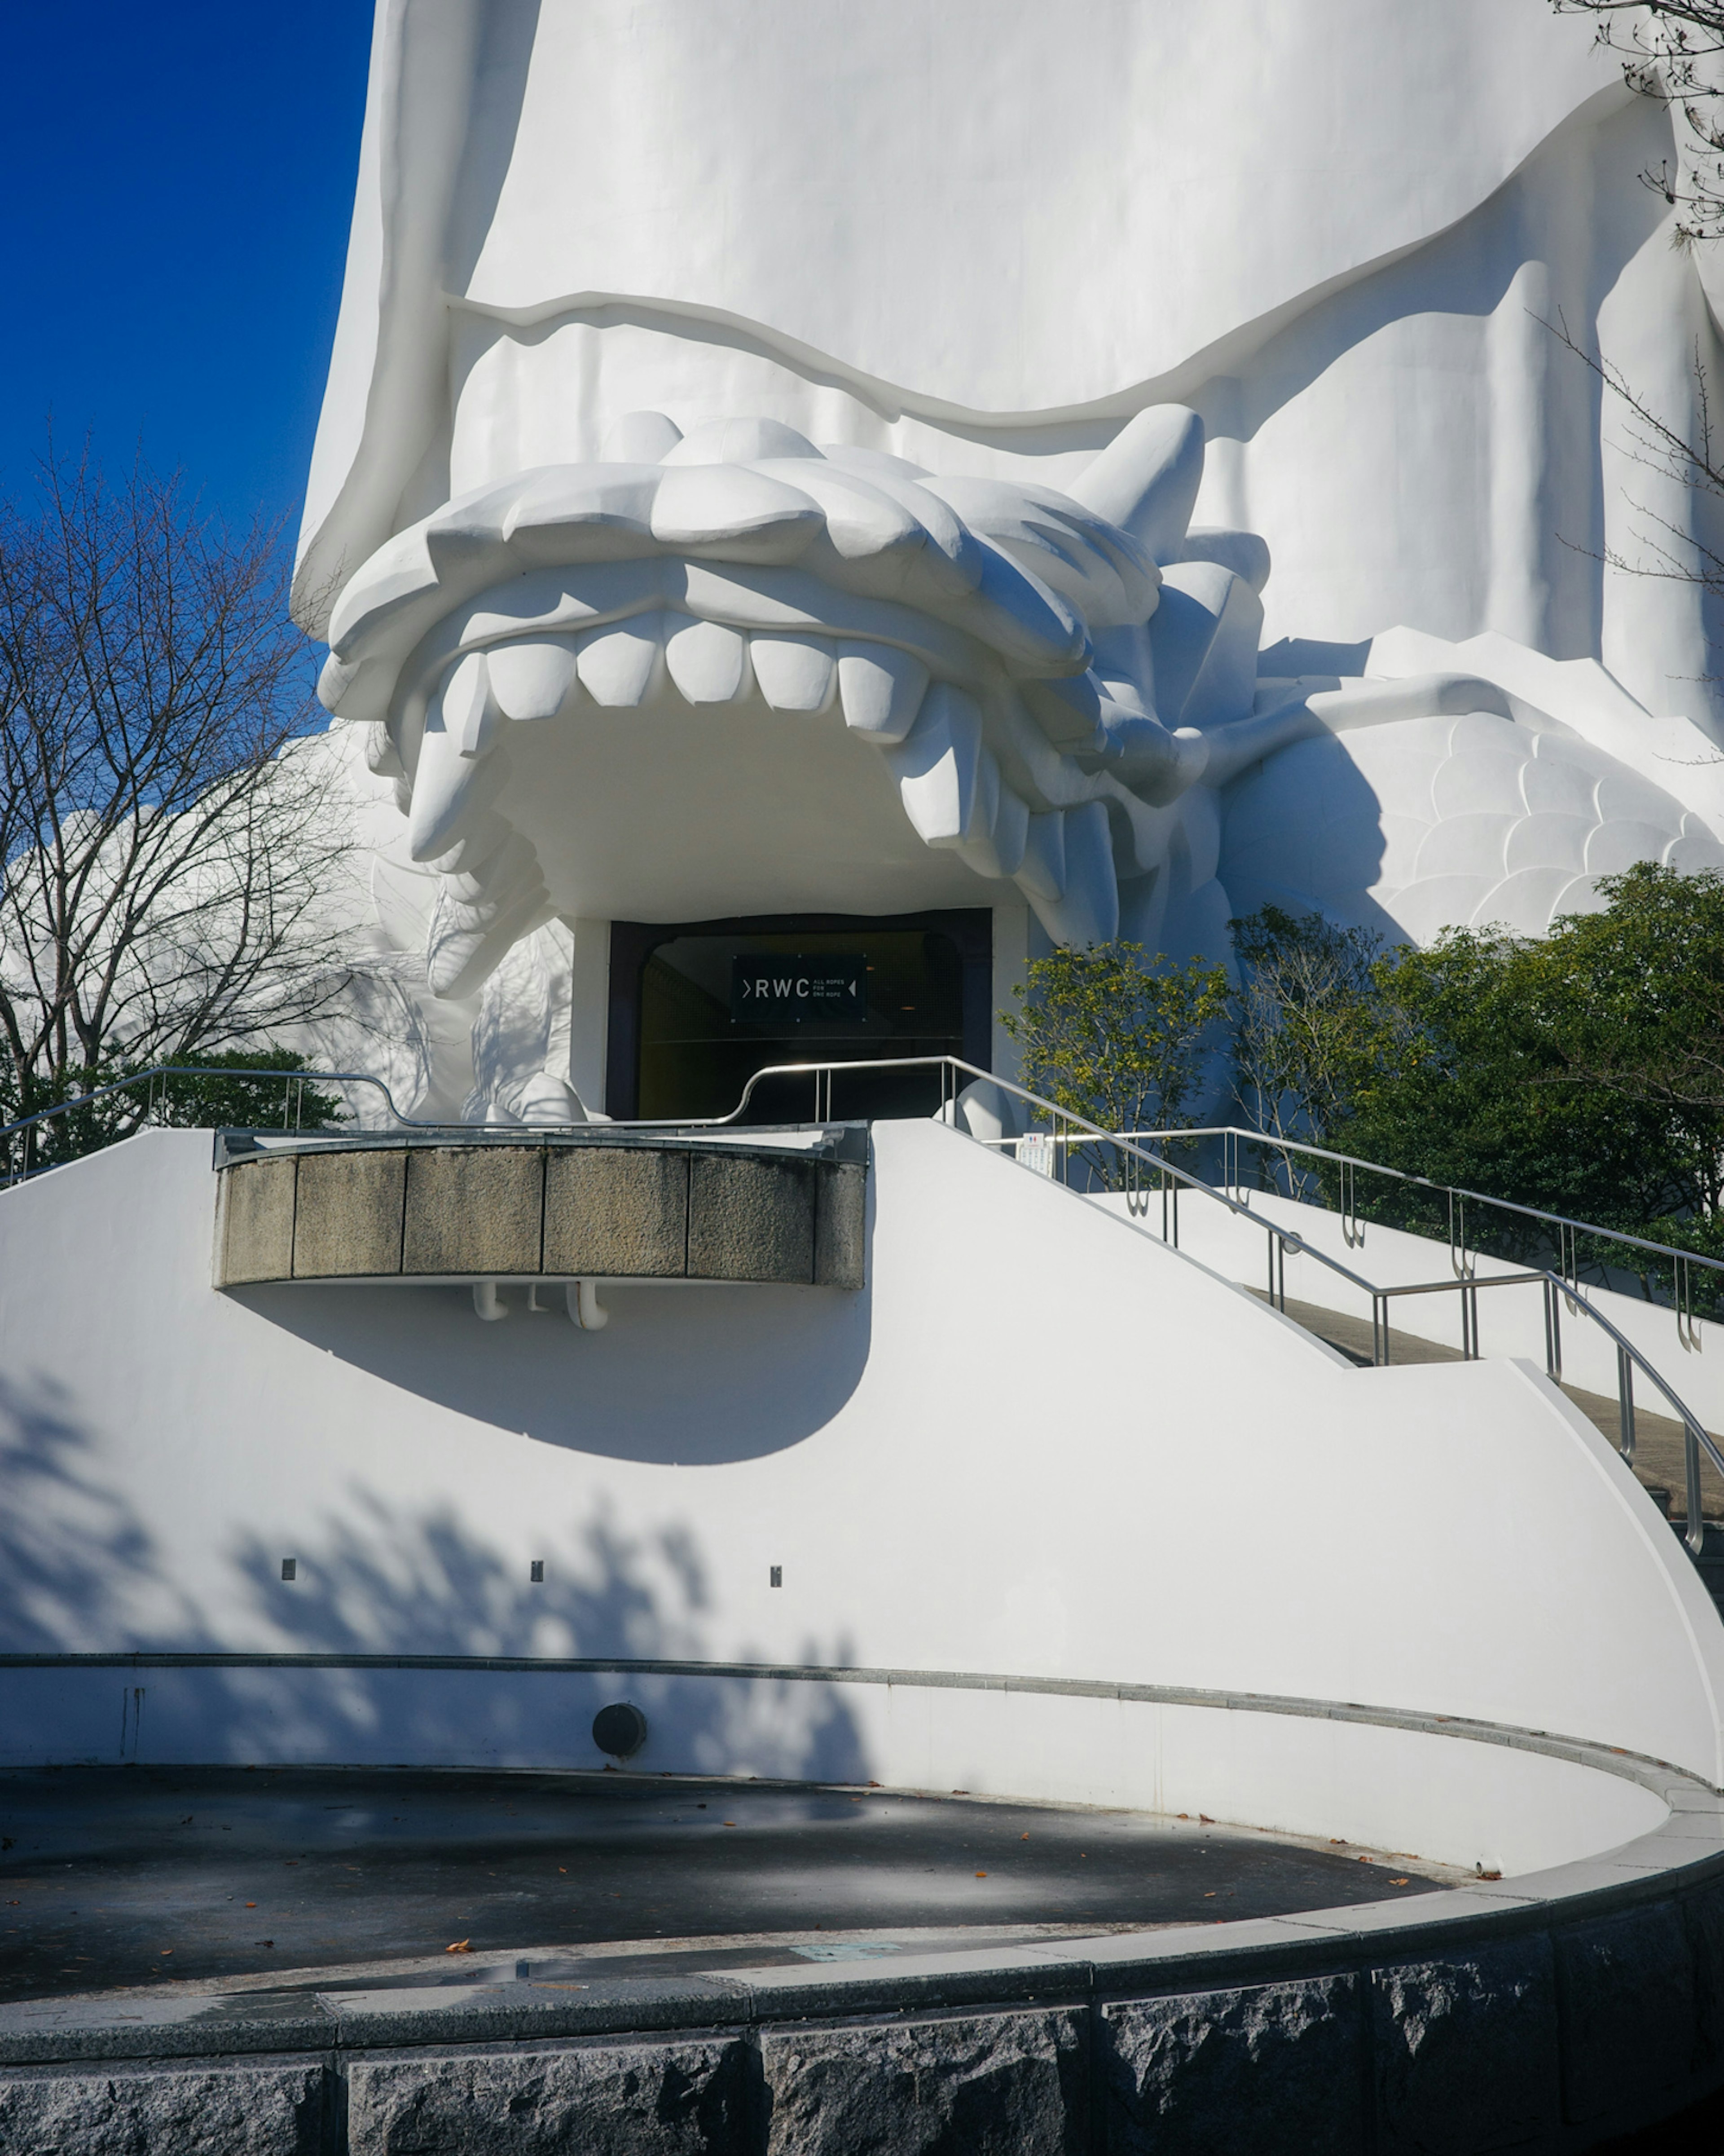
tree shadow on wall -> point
(81, 1573)
(77, 1566)
(386, 1584)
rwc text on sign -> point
(774, 992)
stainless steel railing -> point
(1565, 1232)
(294, 1086)
(1069, 1131)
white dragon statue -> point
(731, 670)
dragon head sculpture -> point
(733, 672)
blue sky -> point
(177, 179)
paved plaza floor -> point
(138, 1876)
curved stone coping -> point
(1546, 2011)
(610, 1206)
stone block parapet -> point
(615, 1207)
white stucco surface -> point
(1688, 1353)
(695, 360)
(1039, 1445)
(982, 236)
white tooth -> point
(938, 766)
(980, 847)
(1088, 910)
(740, 513)
(620, 665)
(795, 673)
(639, 438)
(470, 715)
(1002, 854)
(708, 662)
(1067, 875)
(1042, 875)
(497, 880)
(881, 689)
(532, 681)
(451, 791)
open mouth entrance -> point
(697, 1008)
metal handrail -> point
(301, 1079)
(1696, 1437)
(208, 1070)
(1171, 1180)
(1352, 1162)
(1557, 1288)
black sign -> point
(772, 992)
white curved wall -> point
(1039, 1443)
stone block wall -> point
(612, 1211)
(1554, 2038)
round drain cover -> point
(621, 1730)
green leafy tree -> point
(1581, 1073)
(1642, 986)
(1307, 1019)
(1535, 1072)
(1112, 1035)
(1639, 994)
(1467, 1086)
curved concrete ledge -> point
(620, 1207)
(1549, 2010)
(1496, 1797)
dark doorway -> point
(697, 1007)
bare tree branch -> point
(167, 842)
(1673, 51)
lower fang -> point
(450, 792)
